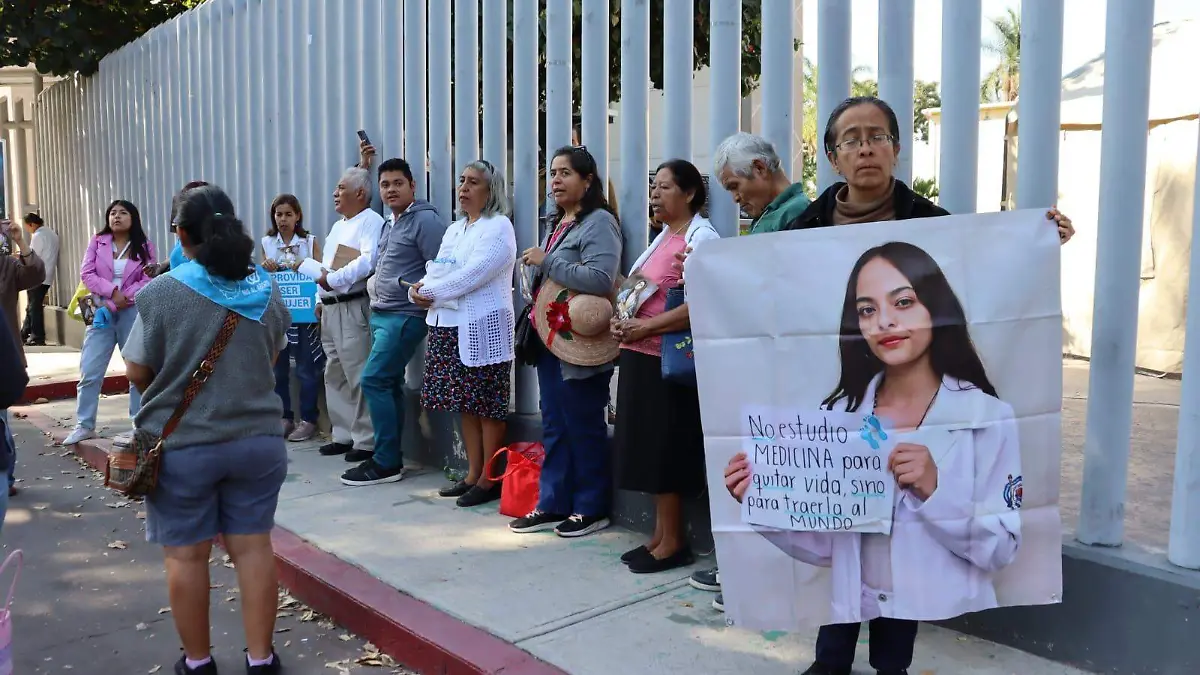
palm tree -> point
(1004, 82)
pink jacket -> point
(97, 270)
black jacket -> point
(13, 379)
(908, 204)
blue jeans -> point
(576, 472)
(395, 340)
(11, 444)
(304, 351)
(98, 346)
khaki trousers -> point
(346, 338)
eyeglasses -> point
(875, 141)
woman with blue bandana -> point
(222, 468)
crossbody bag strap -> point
(203, 372)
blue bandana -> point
(248, 297)
(177, 256)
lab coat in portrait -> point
(944, 551)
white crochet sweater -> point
(485, 253)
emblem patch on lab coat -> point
(1013, 492)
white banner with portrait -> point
(886, 401)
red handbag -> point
(519, 485)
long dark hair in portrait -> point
(951, 351)
(138, 243)
(584, 164)
(218, 239)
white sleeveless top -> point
(299, 249)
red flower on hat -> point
(558, 317)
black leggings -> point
(891, 644)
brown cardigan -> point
(18, 273)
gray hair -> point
(497, 201)
(357, 178)
(739, 151)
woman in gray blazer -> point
(582, 252)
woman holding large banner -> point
(906, 352)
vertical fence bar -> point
(1183, 548)
(495, 82)
(525, 163)
(441, 183)
(414, 92)
(559, 51)
(678, 53)
(635, 88)
(392, 133)
(597, 16)
(833, 72)
(896, 24)
(961, 37)
(376, 88)
(1038, 107)
(310, 113)
(725, 38)
(1127, 46)
(776, 54)
(466, 82)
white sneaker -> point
(79, 434)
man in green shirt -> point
(748, 167)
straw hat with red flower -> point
(574, 326)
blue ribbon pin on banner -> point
(872, 431)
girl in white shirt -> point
(469, 293)
(287, 244)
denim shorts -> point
(219, 488)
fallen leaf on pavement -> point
(120, 545)
(345, 638)
(142, 626)
(155, 669)
(164, 610)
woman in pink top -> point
(114, 271)
(660, 446)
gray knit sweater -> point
(173, 332)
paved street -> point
(92, 598)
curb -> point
(416, 634)
(57, 390)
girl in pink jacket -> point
(113, 270)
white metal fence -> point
(264, 96)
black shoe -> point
(457, 490)
(536, 521)
(634, 554)
(272, 668)
(903, 671)
(356, 456)
(30, 342)
(821, 669)
(181, 668)
(331, 449)
(477, 495)
(706, 580)
(719, 603)
(581, 526)
(370, 473)
(650, 565)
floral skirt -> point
(452, 386)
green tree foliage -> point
(66, 36)
(1004, 82)
(751, 41)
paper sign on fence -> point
(817, 471)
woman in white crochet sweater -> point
(468, 288)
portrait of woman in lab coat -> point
(908, 361)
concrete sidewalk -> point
(450, 590)
(54, 373)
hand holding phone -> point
(362, 137)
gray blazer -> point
(587, 260)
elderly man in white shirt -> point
(349, 257)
